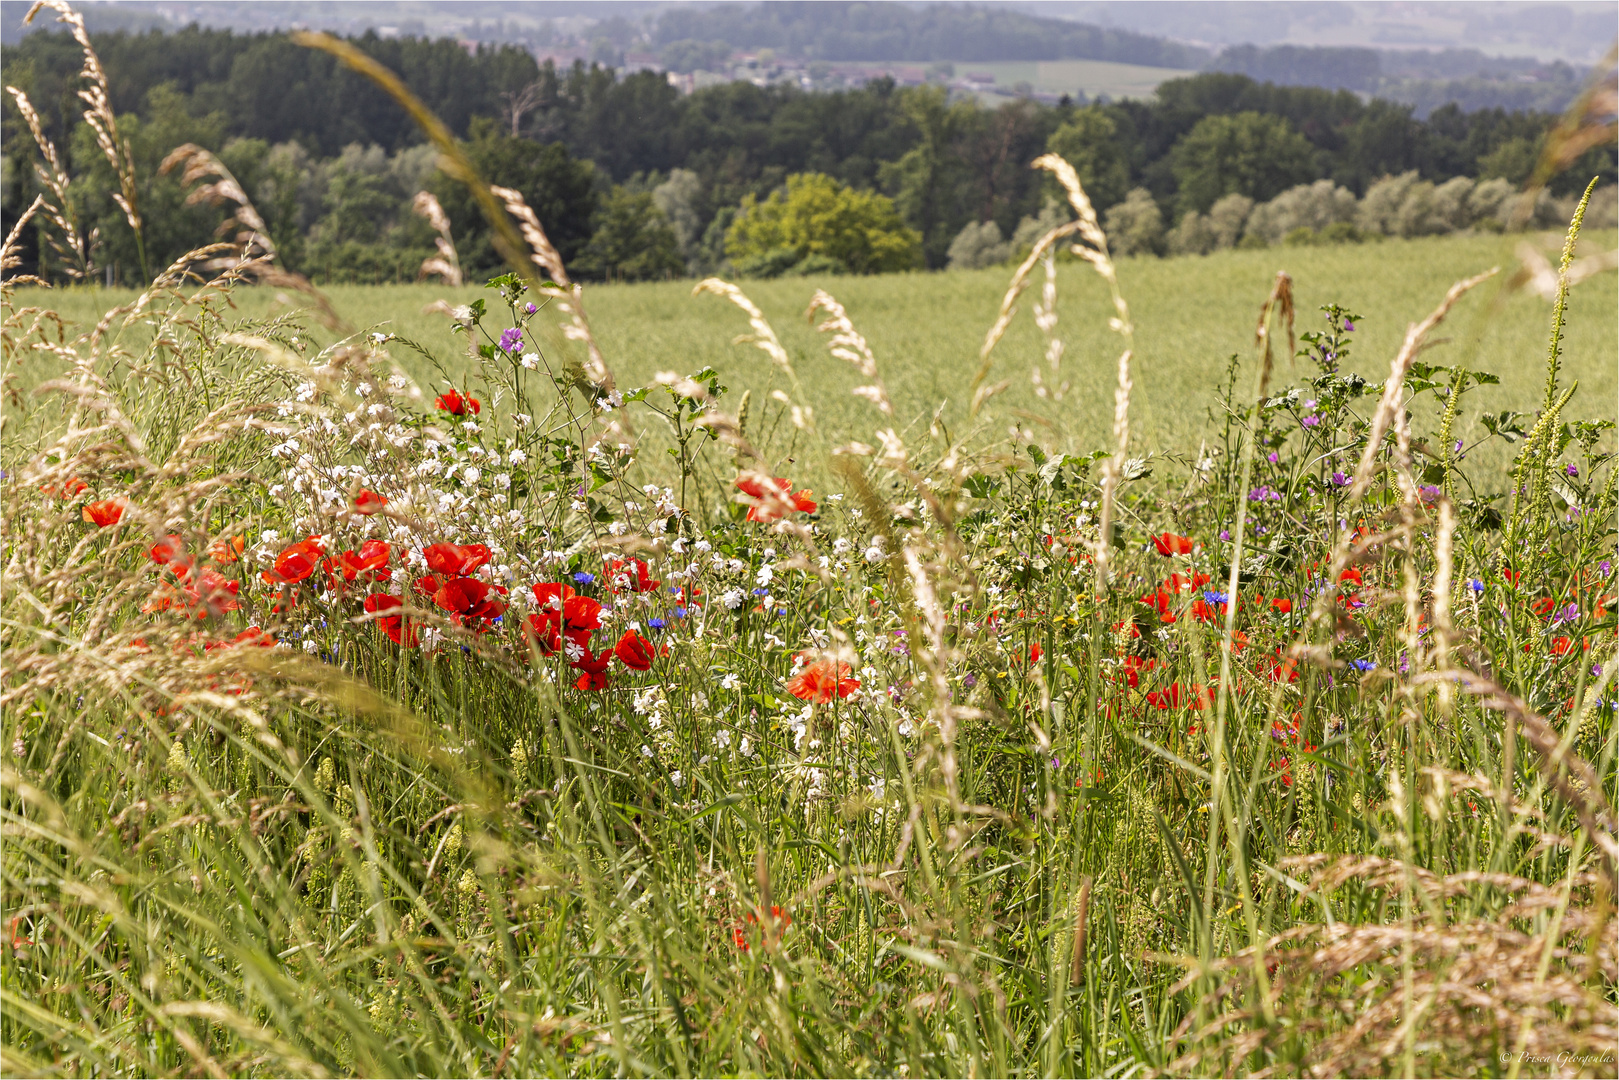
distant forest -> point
(332, 164)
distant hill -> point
(940, 32)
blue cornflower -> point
(1362, 665)
(679, 613)
(584, 579)
(1214, 597)
(1475, 584)
(761, 592)
(656, 624)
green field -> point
(1092, 77)
(1191, 315)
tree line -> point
(634, 180)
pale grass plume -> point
(1003, 318)
(1045, 317)
(198, 165)
(80, 250)
(847, 343)
(1095, 252)
(9, 259)
(1389, 404)
(446, 264)
(99, 116)
(569, 296)
(764, 338)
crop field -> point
(926, 331)
(1091, 77)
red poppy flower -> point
(372, 557)
(1178, 697)
(629, 575)
(227, 549)
(1543, 606)
(214, 593)
(592, 668)
(1282, 605)
(454, 560)
(1160, 602)
(251, 636)
(636, 651)
(397, 627)
(1352, 574)
(104, 513)
(775, 497)
(1169, 544)
(368, 502)
(468, 600)
(1134, 666)
(1035, 653)
(166, 550)
(547, 635)
(820, 683)
(560, 604)
(739, 932)
(1282, 669)
(455, 404)
(296, 563)
(1562, 646)
(70, 487)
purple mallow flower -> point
(1340, 480)
(1572, 469)
(1264, 493)
(1311, 421)
(529, 308)
(1349, 325)
(511, 340)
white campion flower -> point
(703, 547)
(516, 457)
(503, 480)
(732, 598)
(472, 426)
(745, 747)
(617, 528)
(461, 313)
(471, 474)
(765, 576)
(530, 360)
(521, 420)
(731, 681)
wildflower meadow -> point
(527, 722)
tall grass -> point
(881, 781)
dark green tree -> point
(630, 241)
(1247, 154)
